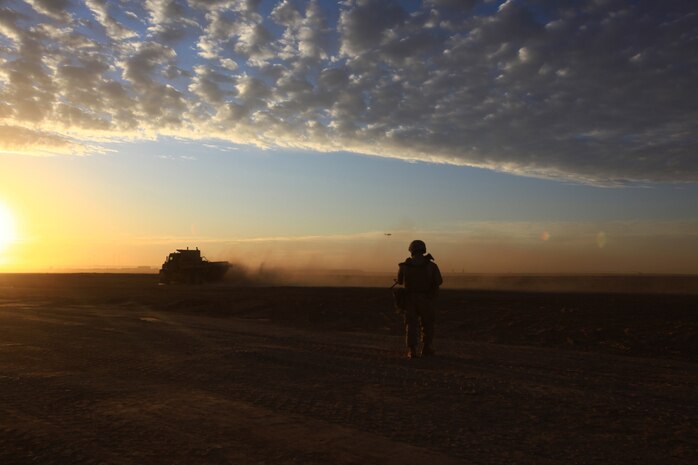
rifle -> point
(399, 297)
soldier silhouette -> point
(421, 278)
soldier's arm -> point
(437, 279)
(400, 275)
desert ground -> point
(114, 369)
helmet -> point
(417, 247)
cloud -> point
(57, 9)
(103, 12)
(169, 21)
(207, 84)
(598, 92)
(306, 35)
(22, 140)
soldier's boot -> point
(412, 353)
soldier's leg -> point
(411, 326)
(427, 320)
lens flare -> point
(601, 240)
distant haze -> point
(477, 248)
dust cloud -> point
(264, 275)
(240, 274)
(243, 274)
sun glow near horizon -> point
(8, 228)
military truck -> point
(188, 266)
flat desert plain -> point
(114, 369)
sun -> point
(7, 227)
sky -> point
(511, 136)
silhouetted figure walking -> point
(422, 278)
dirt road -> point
(126, 383)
